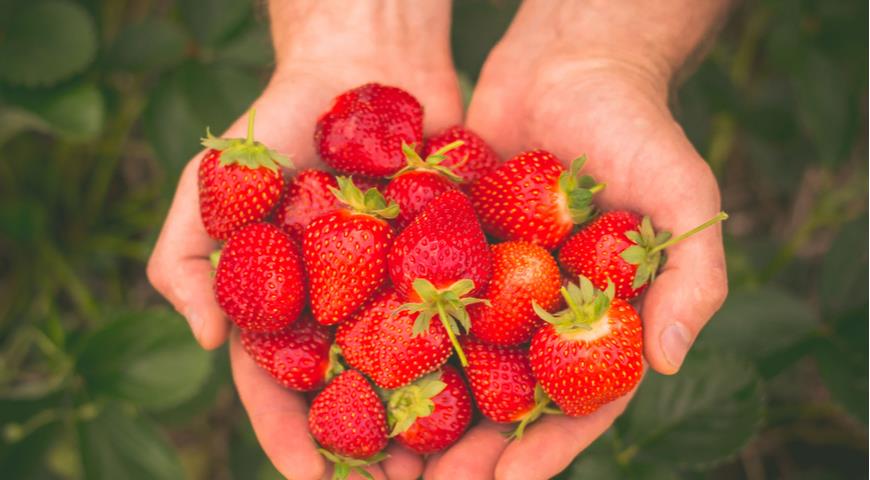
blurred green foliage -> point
(100, 105)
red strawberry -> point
(240, 182)
(298, 356)
(363, 130)
(392, 348)
(432, 413)
(420, 182)
(348, 420)
(307, 197)
(471, 161)
(346, 252)
(259, 282)
(623, 248)
(534, 198)
(522, 273)
(589, 354)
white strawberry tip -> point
(245, 151)
(587, 306)
(345, 465)
(405, 405)
(432, 162)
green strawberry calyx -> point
(450, 304)
(407, 404)
(542, 406)
(371, 202)
(578, 191)
(345, 465)
(432, 162)
(648, 249)
(335, 366)
(586, 305)
(246, 151)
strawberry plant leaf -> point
(76, 112)
(214, 21)
(843, 281)
(152, 44)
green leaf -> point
(634, 254)
(213, 21)
(250, 48)
(147, 357)
(842, 360)
(843, 282)
(699, 417)
(47, 42)
(117, 444)
(149, 45)
(25, 457)
(76, 112)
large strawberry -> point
(346, 252)
(240, 182)
(363, 130)
(260, 282)
(621, 247)
(420, 182)
(522, 273)
(589, 354)
(440, 261)
(300, 357)
(307, 197)
(392, 348)
(349, 422)
(471, 161)
(432, 413)
(532, 197)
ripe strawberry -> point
(363, 130)
(534, 198)
(432, 413)
(589, 354)
(393, 349)
(307, 197)
(471, 161)
(346, 252)
(621, 247)
(299, 357)
(420, 182)
(260, 283)
(522, 273)
(240, 182)
(348, 420)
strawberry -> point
(363, 130)
(441, 257)
(533, 198)
(240, 182)
(621, 247)
(522, 273)
(471, 161)
(348, 420)
(259, 282)
(589, 354)
(346, 252)
(307, 197)
(420, 182)
(299, 356)
(432, 413)
(392, 349)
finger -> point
(402, 464)
(473, 457)
(279, 418)
(551, 444)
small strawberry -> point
(533, 198)
(522, 273)
(432, 413)
(621, 247)
(308, 196)
(363, 130)
(589, 354)
(471, 161)
(392, 349)
(349, 422)
(346, 252)
(300, 357)
(240, 182)
(260, 282)
(420, 182)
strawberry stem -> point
(442, 314)
(249, 140)
(597, 187)
(721, 216)
(578, 314)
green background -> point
(101, 103)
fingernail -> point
(676, 340)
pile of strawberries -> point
(363, 286)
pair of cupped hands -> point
(613, 110)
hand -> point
(539, 92)
(320, 53)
